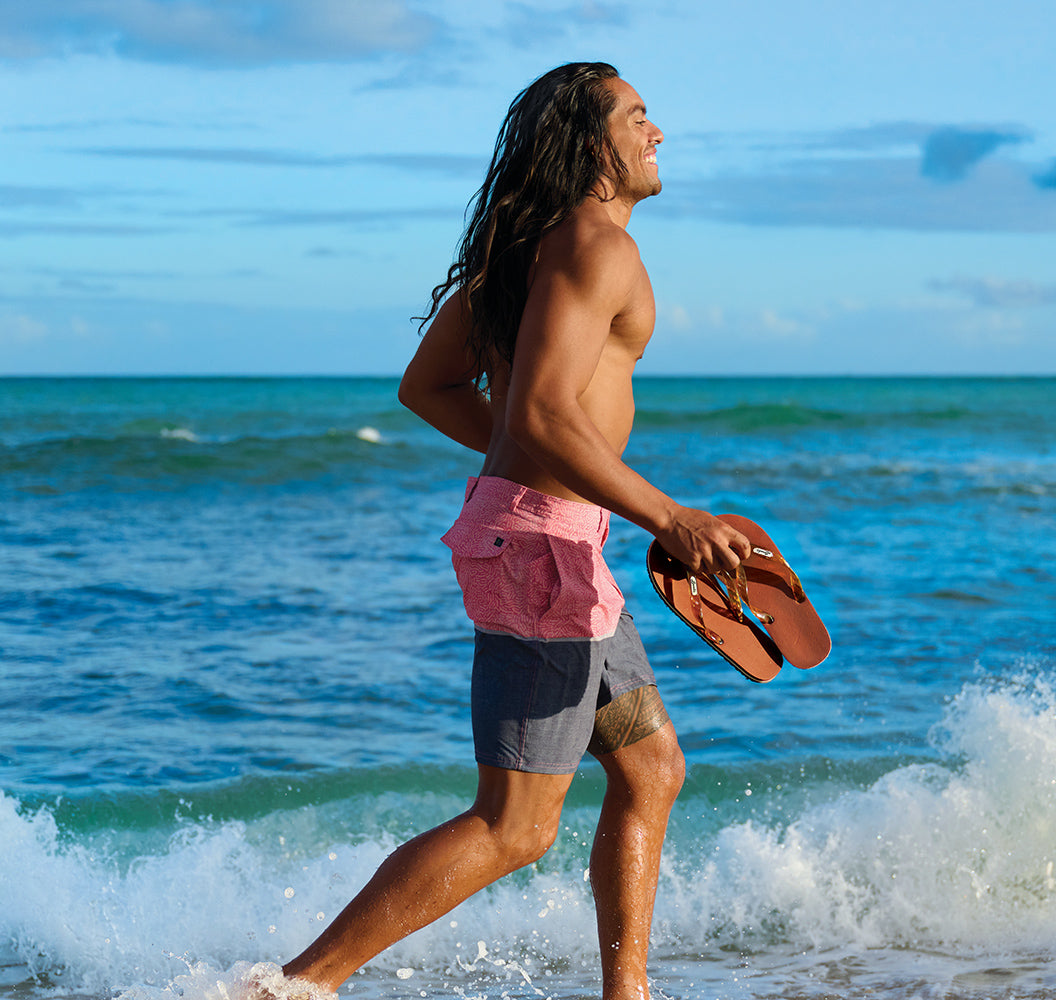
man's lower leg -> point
(511, 824)
(625, 863)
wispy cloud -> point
(1048, 178)
(446, 164)
(878, 193)
(950, 153)
(884, 136)
(38, 196)
(327, 218)
(881, 136)
(526, 24)
(454, 165)
(206, 154)
(878, 176)
(946, 151)
(999, 293)
(341, 218)
(82, 125)
(54, 210)
(11, 229)
(19, 328)
(232, 33)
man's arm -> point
(561, 343)
(439, 386)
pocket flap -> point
(474, 541)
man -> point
(529, 359)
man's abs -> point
(506, 459)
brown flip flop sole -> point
(701, 603)
(773, 594)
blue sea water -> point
(235, 674)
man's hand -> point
(703, 542)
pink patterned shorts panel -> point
(531, 565)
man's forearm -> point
(460, 412)
(573, 450)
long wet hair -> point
(551, 150)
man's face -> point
(636, 139)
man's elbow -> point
(405, 393)
(414, 393)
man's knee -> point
(522, 841)
(653, 769)
(668, 763)
(635, 741)
(522, 813)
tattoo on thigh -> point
(626, 720)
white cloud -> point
(896, 175)
(527, 24)
(873, 193)
(780, 325)
(999, 293)
(949, 153)
(233, 33)
(21, 329)
(678, 317)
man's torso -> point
(608, 398)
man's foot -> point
(265, 981)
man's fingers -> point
(742, 546)
(736, 549)
(712, 545)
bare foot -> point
(265, 981)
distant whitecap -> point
(179, 434)
(371, 434)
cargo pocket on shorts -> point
(585, 601)
(475, 554)
(505, 577)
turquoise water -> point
(235, 674)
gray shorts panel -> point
(534, 699)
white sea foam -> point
(243, 981)
(370, 434)
(957, 856)
(928, 856)
(179, 434)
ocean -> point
(235, 674)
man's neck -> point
(617, 209)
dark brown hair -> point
(550, 152)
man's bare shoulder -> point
(589, 242)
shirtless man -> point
(558, 667)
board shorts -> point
(553, 640)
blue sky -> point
(274, 186)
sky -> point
(274, 186)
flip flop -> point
(705, 607)
(771, 591)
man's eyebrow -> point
(636, 109)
